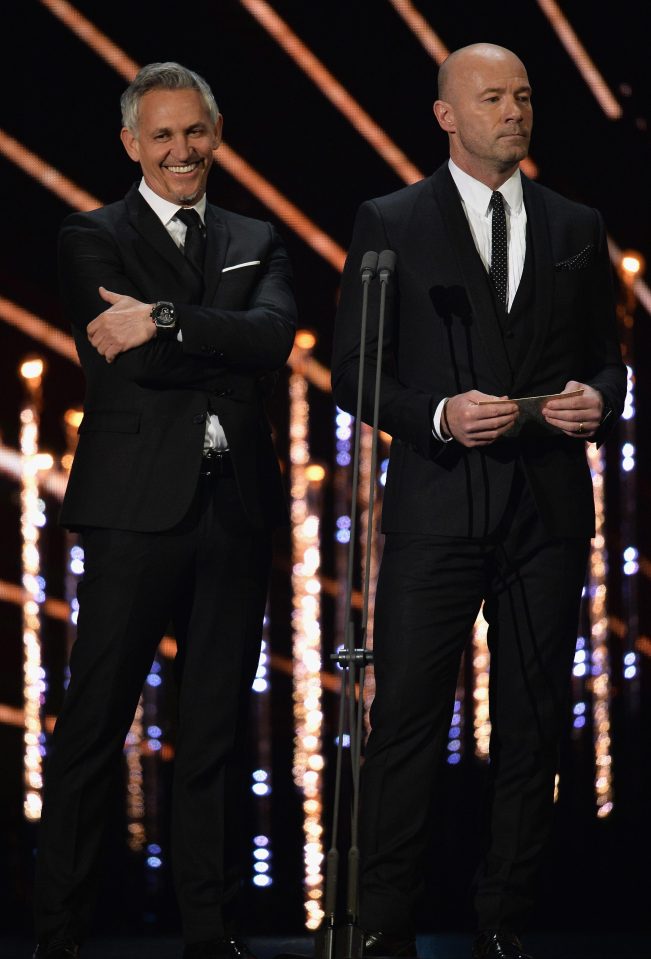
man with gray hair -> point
(180, 311)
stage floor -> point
(570, 946)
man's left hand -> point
(126, 323)
(577, 416)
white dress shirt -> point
(166, 211)
(475, 200)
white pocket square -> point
(238, 266)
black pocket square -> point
(578, 261)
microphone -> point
(386, 264)
(369, 265)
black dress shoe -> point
(57, 949)
(218, 949)
(500, 944)
(388, 944)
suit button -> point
(199, 418)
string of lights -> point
(262, 776)
(33, 519)
(481, 679)
(306, 480)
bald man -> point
(503, 290)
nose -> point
(513, 109)
(181, 148)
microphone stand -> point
(354, 659)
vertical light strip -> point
(365, 480)
(136, 833)
(306, 628)
(262, 775)
(566, 34)
(599, 642)
(481, 674)
(32, 520)
(331, 88)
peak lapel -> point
(543, 272)
(473, 275)
(217, 239)
(150, 228)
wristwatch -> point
(163, 316)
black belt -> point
(216, 463)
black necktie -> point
(194, 247)
(499, 270)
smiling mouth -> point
(184, 168)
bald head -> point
(484, 106)
(457, 65)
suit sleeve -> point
(258, 338)
(605, 370)
(89, 257)
(404, 412)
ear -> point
(218, 131)
(444, 113)
(130, 144)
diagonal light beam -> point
(45, 174)
(272, 198)
(303, 57)
(584, 64)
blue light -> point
(77, 566)
(579, 709)
(154, 862)
(345, 741)
(260, 841)
(343, 459)
(579, 656)
(630, 569)
(260, 789)
(628, 464)
(454, 758)
(260, 685)
(262, 880)
(454, 745)
(630, 672)
(579, 669)
(154, 680)
(154, 848)
(342, 536)
(629, 659)
(154, 731)
(260, 775)
(261, 867)
(154, 745)
(580, 643)
(261, 854)
(343, 522)
(155, 666)
(343, 432)
(579, 722)
(630, 553)
(628, 449)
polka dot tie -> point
(194, 246)
(499, 255)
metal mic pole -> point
(385, 269)
(325, 945)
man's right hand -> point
(473, 425)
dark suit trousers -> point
(208, 575)
(430, 590)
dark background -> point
(61, 101)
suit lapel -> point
(217, 239)
(543, 280)
(474, 278)
(150, 228)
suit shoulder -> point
(559, 205)
(237, 221)
(104, 217)
(401, 199)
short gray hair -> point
(163, 76)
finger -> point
(108, 295)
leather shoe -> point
(498, 944)
(57, 949)
(218, 949)
(388, 944)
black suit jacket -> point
(443, 337)
(142, 434)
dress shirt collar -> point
(477, 196)
(166, 211)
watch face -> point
(163, 315)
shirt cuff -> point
(179, 336)
(436, 423)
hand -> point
(126, 323)
(577, 416)
(474, 425)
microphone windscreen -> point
(386, 261)
(369, 262)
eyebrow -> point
(525, 88)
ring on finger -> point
(580, 429)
